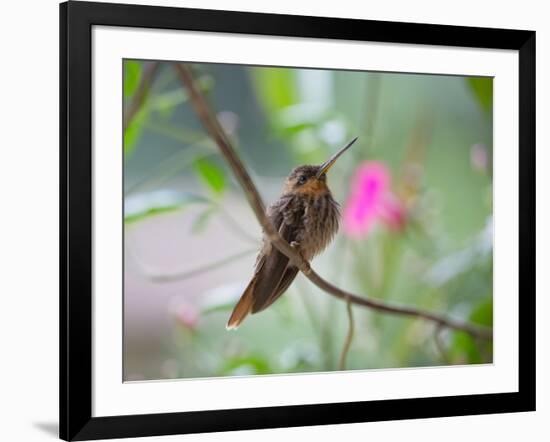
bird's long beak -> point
(330, 162)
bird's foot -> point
(304, 265)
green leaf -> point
(132, 76)
(466, 349)
(211, 175)
(219, 308)
(483, 314)
(144, 206)
(299, 118)
(134, 130)
(152, 211)
(201, 221)
(247, 365)
(275, 87)
(482, 87)
(165, 103)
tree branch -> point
(215, 130)
(141, 93)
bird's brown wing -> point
(289, 275)
(271, 272)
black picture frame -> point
(76, 21)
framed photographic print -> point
(272, 221)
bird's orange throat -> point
(313, 187)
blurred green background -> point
(191, 239)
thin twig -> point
(141, 93)
(187, 274)
(329, 324)
(215, 130)
(371, 108)
(167, 168)
(234, 225)
(312, 316)
(349, 337)
(440, 346)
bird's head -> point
(313, 179)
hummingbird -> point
(307, 217)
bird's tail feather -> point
(243, 307)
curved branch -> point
(191, 273)
(349, 337)
(215, 130)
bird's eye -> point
(302, 179)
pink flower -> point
(187, 315)
(479, 157)
(371, 201)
